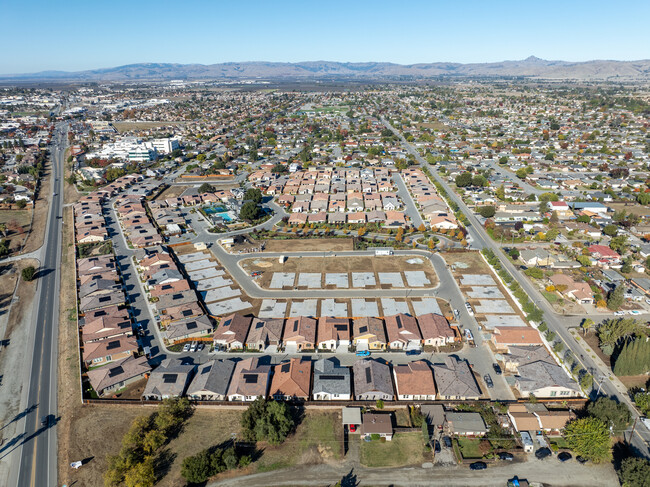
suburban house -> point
(505, 336)
(189, 328)
(108, 350)
(231, 332)
(333, 332)
(580, 291)
(377, 424)
(455, 380)
(435, 330)
(372, 381)
(403, 332)
(211, 381)
(169, 379)
(536, 257)
(545, 379)
(264, 332)
(291, 380)
(250, 380)
(414, 381)
(118, 374)
(604, 255)
(106, 327)
(300, 333)
(466, 423)
(368, 334)
(331, 381)
(536, 417)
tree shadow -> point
(350, 480)
(21, 415)
(163, 462)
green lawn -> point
(550, 297)
(405, 449)
(560, 442)
(469, 447)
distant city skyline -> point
(42, 35)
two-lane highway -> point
(38, 455)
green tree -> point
(614, 331)
(609, 411)
(634, 358)
(141, 474)
(197, 468)
(254, 195)
(584, 260)
(487, 211)
(503, 160)
(615, 298)
(589, 438)
(610, 230)
(618, 244)
(479, 180)
(464, 179)
(642, 401)
(521, 173)
(267, 420)
(206, 188)
(635, 472)
(250, 211)
(28, 273)
(514, 253)
(586, 325)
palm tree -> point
(586, 325)
(3, 229)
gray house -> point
(170, 379)
(331, 381)
(118, 374)
(265, 332)
(455, 380)
(372, 381)
(211, 381)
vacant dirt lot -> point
(172, 192)
(310, 245)
(634, 209)
(325, 265)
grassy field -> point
(317, 439)
(469, 447)
(404, 449)
(550, 297)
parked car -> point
(635, 312)
(619, 313)
(413, 352)
(200, 347)
(543, 453)
(581, 460)
(497, 368)
(478, 466)
(504, 455)
(456, 313)
(647, 301)
(256, 273)
(488, 381)
(447, 441)
(353, 428)
(469, 309)
(193, 347)
(436, 446)
(363, 353)
(186, 347)
(564, 456)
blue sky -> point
(73, 35)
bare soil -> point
(24, 296)
(310, 245)
(20, 219)
(172, 192)
(631, 381)
(348, 265)
(8, 278)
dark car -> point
(478, 466)
(413, 352)
(436, 446)
(581, 460)
(447, 441)
(46, 420)
(497, 368)
(488, 381)
(542, 453)
(564, 456)
(504, 455)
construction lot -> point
(343, 272)
(310, 245)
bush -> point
(28, 273)
(267, 420)
(379, 404)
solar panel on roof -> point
(368, 376)
(115, 371)
(169, 378)
(331, 377)
(113, 344)
(250, 378)
(285, 368)
(341, 327)
(363, 329)
(191, 325)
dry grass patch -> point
(310, 245)
(173, 192)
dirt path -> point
(550, 472)
(41, 210)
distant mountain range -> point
(531, 67)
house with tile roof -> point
(291, 380)
(414, 381)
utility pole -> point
(633, 428)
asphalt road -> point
(38, 455)
(641, 437)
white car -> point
(647, 301)
(469, 309)
(619, 313)
(635, 312)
